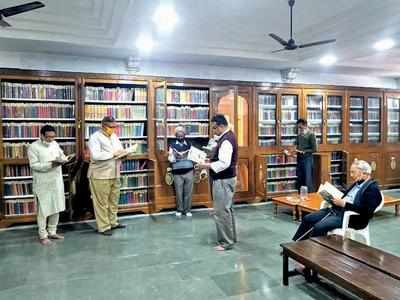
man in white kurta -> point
(104, 175)
(48, 186)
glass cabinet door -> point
(243, 120)
(289, 116)
(314, 115)
(334, 120)
(393, 119)
(374, 120)
(160, 119)
(267, 120)
(356, 120)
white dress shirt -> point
(103, 165)
(224, 155)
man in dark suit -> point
(363, 197)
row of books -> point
(38, 110)
(267, 115)
(32, 130)
(281, 172)
(288, 129)
(262, 142)
(123, 130)
(374, 115)
(191, 128)
(316, 129)
(187, 96)
(334, 140)
(281, 186)
(133, 197)
(100, 93)
(19, 207)
(267, 99)
(289, 115)
(334, 129)
(20, 150)
(334, 101)
(134, 180)
(394, 128)
(37, 91)
(314, 115)
(334, 115)
(356, 128)
(18, 188)
(17, 170)
(187, 112)
(356, 101)
(393, 103)
(336, 155)
(132, 165)
(289, 101)
(393, 116)
(267, 130)
(374, 102)
(288, 141)
(97, 112)
(141, 145)
(336, 168)
(275, 159)
(314, 101)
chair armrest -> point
(346, 219)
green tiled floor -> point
(161, 257)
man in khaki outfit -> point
(104, 175)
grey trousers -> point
(222, 194)
(183, 190)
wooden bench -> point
(365, 271)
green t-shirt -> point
(307, 142)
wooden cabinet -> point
(392, 115)
(277, 114)
(325, 113)
(392, 169)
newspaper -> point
(196, 155)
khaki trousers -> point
(105, 196)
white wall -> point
(55, 62)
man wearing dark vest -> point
(223, 181)
(182, 169)
(363, 197)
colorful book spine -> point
(192, 129)
(18, 188)
(187, 113)
(134, 165)
(116, 94)
(32, 130)
(134, 180)
(187, 96)
(97, 112)
(17, 170)
(20, 207)
(131, 198)
(37, 91)
(124, 130)
(38, 110)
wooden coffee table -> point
(313, 203)
(289, 201)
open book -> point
(131, 150)
(196, 155)
(328, 191)
(68, 159)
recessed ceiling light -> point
(165, 17)
(328, 60)
(145, 43)
(384, 44)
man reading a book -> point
(363, 197)
(104, 175)
(45, 159)
(182, 170)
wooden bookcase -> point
(27, 103)
(127, 101)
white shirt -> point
(224, 155)
(103, 165)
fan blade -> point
(4, 23)
(19, 9)
(276, 51)
(278, 39)
(317, 43)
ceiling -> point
(215, 32)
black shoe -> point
(107, 232)
(119, 226)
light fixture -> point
(328, 60)
(145, 43)
(384, 44)
(165, 17)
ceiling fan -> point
(19, 9)
(291, 44)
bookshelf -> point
(27, 104)
(338, 169)
(280, 174)
(278, 112)
(185, 106)
(127, 102)
(334, 128)
(393, 119)
(315, 115)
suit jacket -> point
(366, 201)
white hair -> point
(180, 129)
(363, 166)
